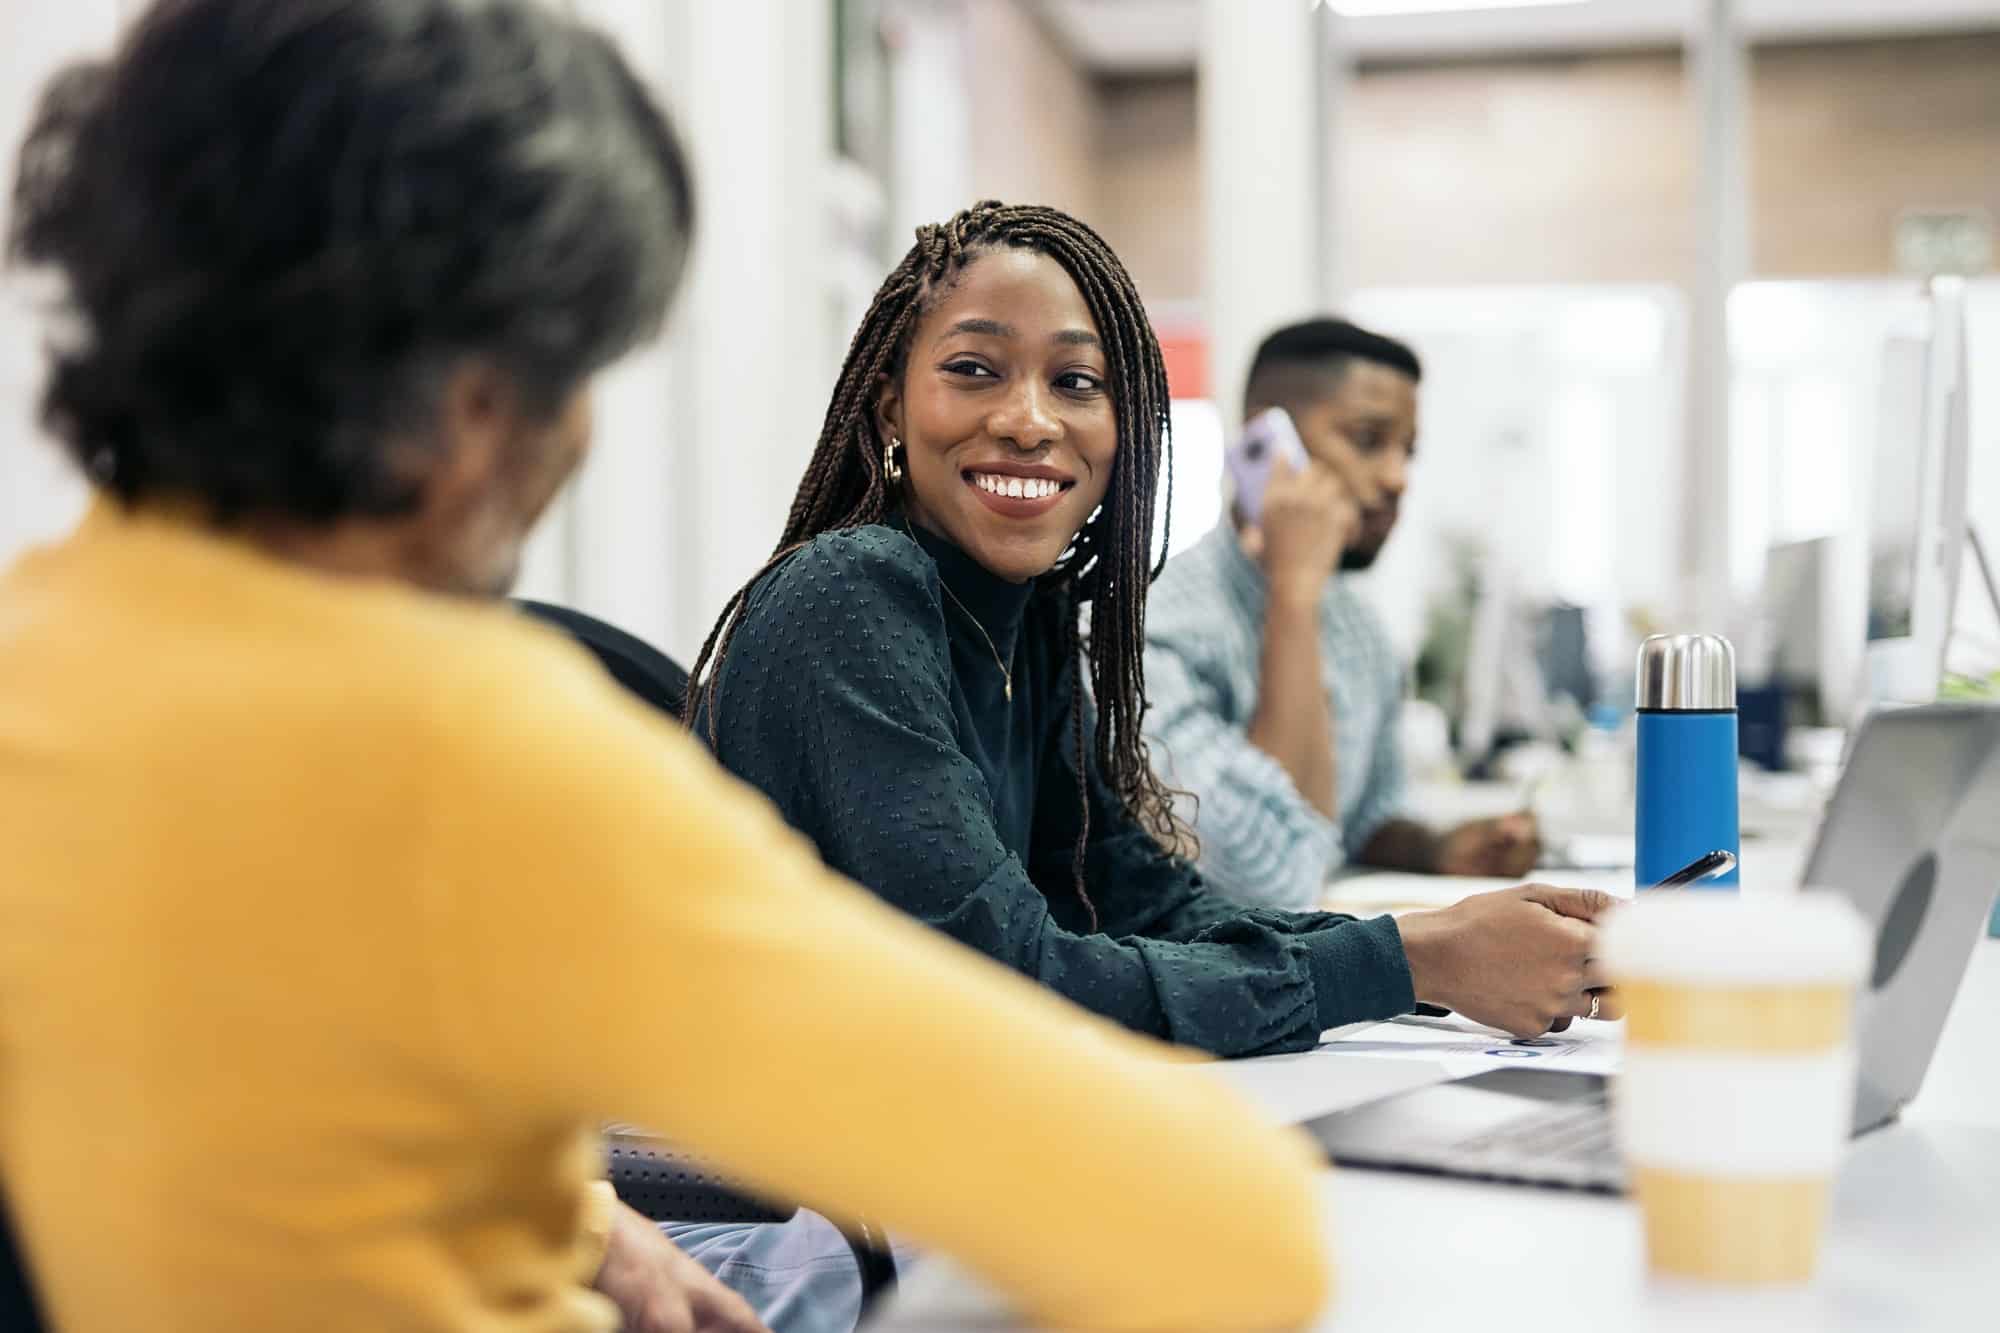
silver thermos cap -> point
(1683, 673)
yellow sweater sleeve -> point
(635, 936)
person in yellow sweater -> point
(340, 905)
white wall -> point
(40, 495)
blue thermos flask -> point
(1687, 755)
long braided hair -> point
(1109, 563)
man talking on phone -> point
(1274, 689)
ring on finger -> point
(1595, 1002)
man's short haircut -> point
(1302, 362)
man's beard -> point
(1357, 558)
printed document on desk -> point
(1465, 1047)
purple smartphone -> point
(1269, 436)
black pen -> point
(1694, 872)
(1697, 870)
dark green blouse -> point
(869, 707)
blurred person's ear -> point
(493, 467)
(479, 418)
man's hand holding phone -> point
(1300, 510)
(1308, 519)
(1310, 516)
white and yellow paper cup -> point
(1736, 1096)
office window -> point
(1583, 438)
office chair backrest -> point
(632, 662)
(18, 1311)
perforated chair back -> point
(658, 1181)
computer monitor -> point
(1794, 596)
(1502, 694)
(1798, 610)
(1917, 529)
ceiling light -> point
(1373, 9)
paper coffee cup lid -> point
(1712, 938)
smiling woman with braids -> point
(905, 679)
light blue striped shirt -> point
(1261, 842)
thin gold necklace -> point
(1006, 670)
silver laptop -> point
(1911, 836)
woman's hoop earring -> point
(890, 467)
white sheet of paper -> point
(1389, 890)
(1465, 1047)
(1394, 891)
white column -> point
(609, 541)
(1336, 73)
(931, 111)
(702, 438)
(1262, 154)
(1718, 86)
(755, 348)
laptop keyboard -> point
(1529, 1127)
(1565, 1143)
(1567, 1133)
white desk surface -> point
(1914, 1242)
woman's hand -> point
(1519, 960)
